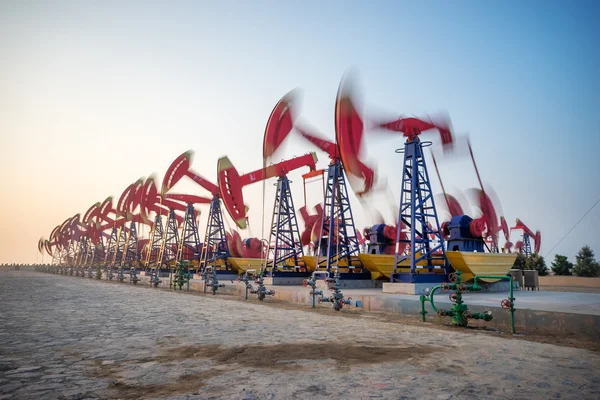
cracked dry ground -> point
(72, 338)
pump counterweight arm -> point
(119, 223)
(280, 169)
(187, 198)
(328, 147)
(333, 151)
(231, 183)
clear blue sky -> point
(97, 94)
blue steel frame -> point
(337, 207)
(131, 251)
(98, 254)
(56, 257)
(71, 252)
(417, 207)
(170, 241)
(155, 242)
(82, 248)
(526, 245)
(190, 239)
(284, 227)
(111, 247)
(215, 245)
(120, 248)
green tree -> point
(561, 265)
(519, 262)
(535, 261)
(585, 263)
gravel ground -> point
(71, 338)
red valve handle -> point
(505, 304)
(461, 288)
(441, 313)
(445, 287)
(320, 299)
(305, 283)
(467, 314)
(453, 297)
(452, 277)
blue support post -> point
(190, 239)
(526, 245)
(71, 252)
(132, 255)
(155, 242)
(339, 214)
(111, 247)
(215, 245)
(81, 250)
(170, 242)
(99, 253)
(284, 240)
(417, 210)
(120, 247)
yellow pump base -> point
(471, 264)
(382, 265)
(241, 265)
(311, 263)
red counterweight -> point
(309, 222)
(279, 124)
(348, 127)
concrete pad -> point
(405, 288)
(354, 284)
(284, 281)
(420, 288)
(220, 276)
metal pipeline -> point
(312, 282)
(209, 274)
(459, 287)
(433, 290)
(246, 280)
(511, 299)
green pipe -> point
(431, 297)
(189, 278)
(511, 299)
(422, 298)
